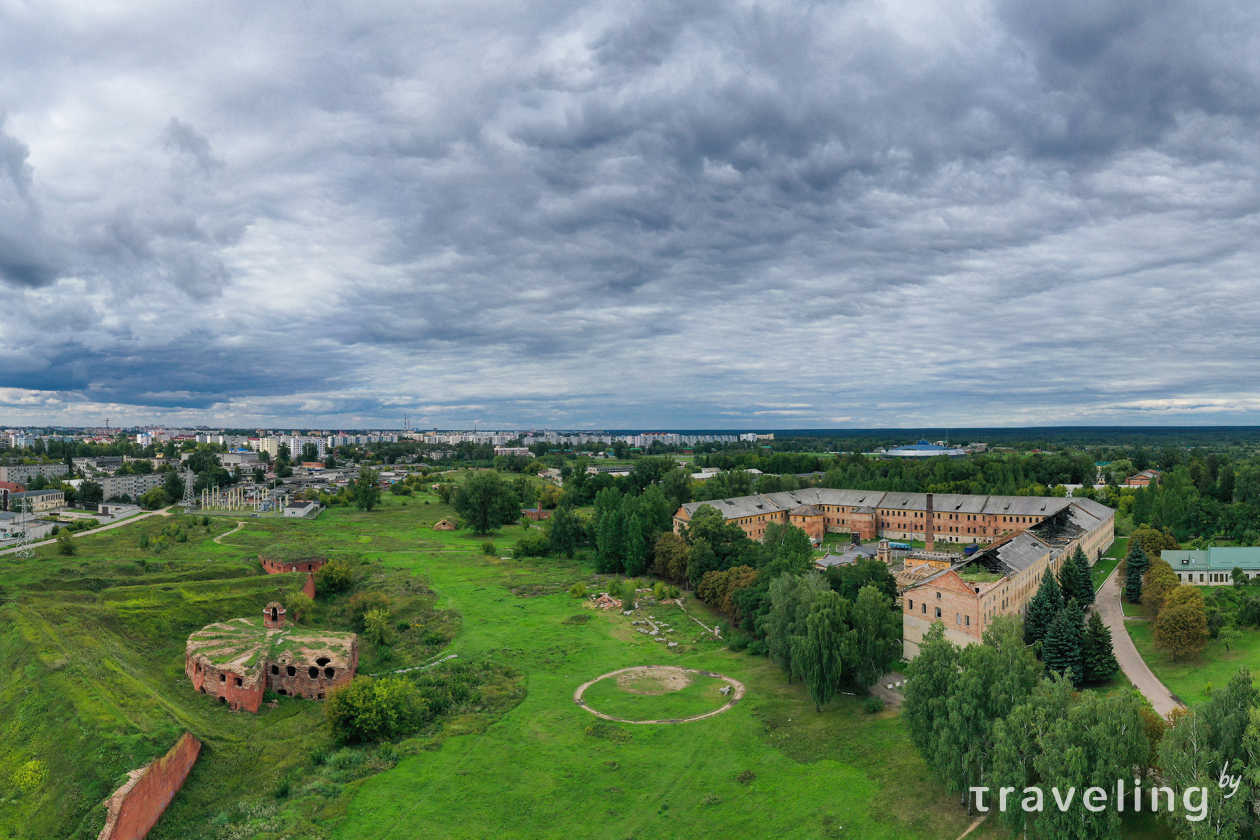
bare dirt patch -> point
(653, 680)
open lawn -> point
(92, 685)
(1189, 677)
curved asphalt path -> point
(1131, 662)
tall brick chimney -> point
(929, 532)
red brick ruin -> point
(135, 807)
(236, 661)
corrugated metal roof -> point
(1217, 558)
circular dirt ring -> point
(666, 674)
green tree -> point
(1194, 750)
(366, 710)
(154, 499)
(1181, 626)
(1044, 606)
(377, 626)
(1017, 743)
(1136, 563)
(822, 646)
(670, 556)
(791, 599)
(634, 546)
(929, 680)
(994, 677)
(367, 489)
(334, 576)
(90, 493)
(65, 544)
(310, 452)
(1098, 657)
(173, 484)
(1062, 648)
(1075, 580)
(485, 501)
(874, 642)
(1229, 634)
(1158, 583)
(565, 532)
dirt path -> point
(973, 826)
(1131, 662)
(163, 512)
(737, 693)
(239, 526)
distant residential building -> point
(135, 486)
(23, 473)
(239, 457)
(41, 500)
(1143, 479)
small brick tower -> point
(273, 616)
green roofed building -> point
(1213, 566)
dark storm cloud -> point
(620, 214)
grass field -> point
(1189, 677)
(699, 697)
(92, 684)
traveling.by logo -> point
(1194, 800)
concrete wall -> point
(136, 806)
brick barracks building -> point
(1025, 535)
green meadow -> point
(92, 685)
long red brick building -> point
(1024, 535)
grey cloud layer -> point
(621, 214)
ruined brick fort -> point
(238, 660)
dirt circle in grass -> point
(648, 681)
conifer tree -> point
(1099, 658)
(1136, 563)
(1042, 609)
(1084, 578)
(1061, 650)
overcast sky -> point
(630, 214)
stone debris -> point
(724, 690)
(673, 644)
(604, 602)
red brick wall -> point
(223, 684)
(308, 588)
(276, 567)
(301, 684)
(135, 807)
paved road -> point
(119, 524)
(1131, 662)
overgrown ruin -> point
(238, 660)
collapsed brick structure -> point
(238, 660)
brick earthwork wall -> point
(308, 588)
(136, 806)
(276, 567)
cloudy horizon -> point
(630, 215)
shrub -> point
(374, 710)
(376, 627)
(56, 529)
(144, 542)
(205, 522)
(578, 590)
(663, 591)
(487, 548)
(65, 545)
(181, 537)
(299, 607)
(362, 603)
(334, 576)
(532, 545)
(873, 705)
